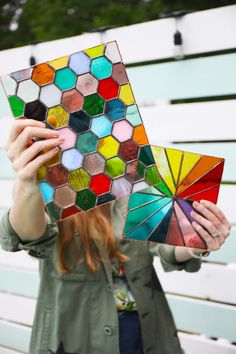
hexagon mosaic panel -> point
(88, 99)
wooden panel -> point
(20, 282)
(17, 309)
(19, 259)
(209, 318)
(20, 334)
(7, 351)
(4, 108)
(198, 36)
(192, 78)
(227, 252)
(184, 122)
(226, 201)
(195, 344)
(212, 281)
(5, 124)
(6, 192)
(6, 170)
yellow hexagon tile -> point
(108, 147)
(79, 179)
(58, 117)
(54, 160)
(41, 173)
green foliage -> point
(45, 20)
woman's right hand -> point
(27, 155)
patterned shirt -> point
(122, 293)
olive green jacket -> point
(76, 312)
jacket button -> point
(109, 287)
(107, 331)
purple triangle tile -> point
(187, 208)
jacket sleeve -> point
(168, 260)
(40, 248)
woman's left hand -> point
(211, 224)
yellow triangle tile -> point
(163, 167)
(126, 94)
(189, 161)
(59, 63)
(175, 158)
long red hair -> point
(92, 225)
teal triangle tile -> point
(160, 233)
(143, 230)
(140, 214)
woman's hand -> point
(211, 224)
(27, 155)
(27, 214)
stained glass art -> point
(161, 213)
(87, 98)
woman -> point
(98, 294)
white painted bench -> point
(203, 303)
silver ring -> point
(216, 234)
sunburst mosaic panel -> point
(162, 213)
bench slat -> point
(7, 351)
(188, 79)
(227, 252)
(206, 317)
(195, 344)
(17, 309)
(202, 284)
(17, 281)
(20, 334)
(177, 122)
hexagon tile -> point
(87, 98)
